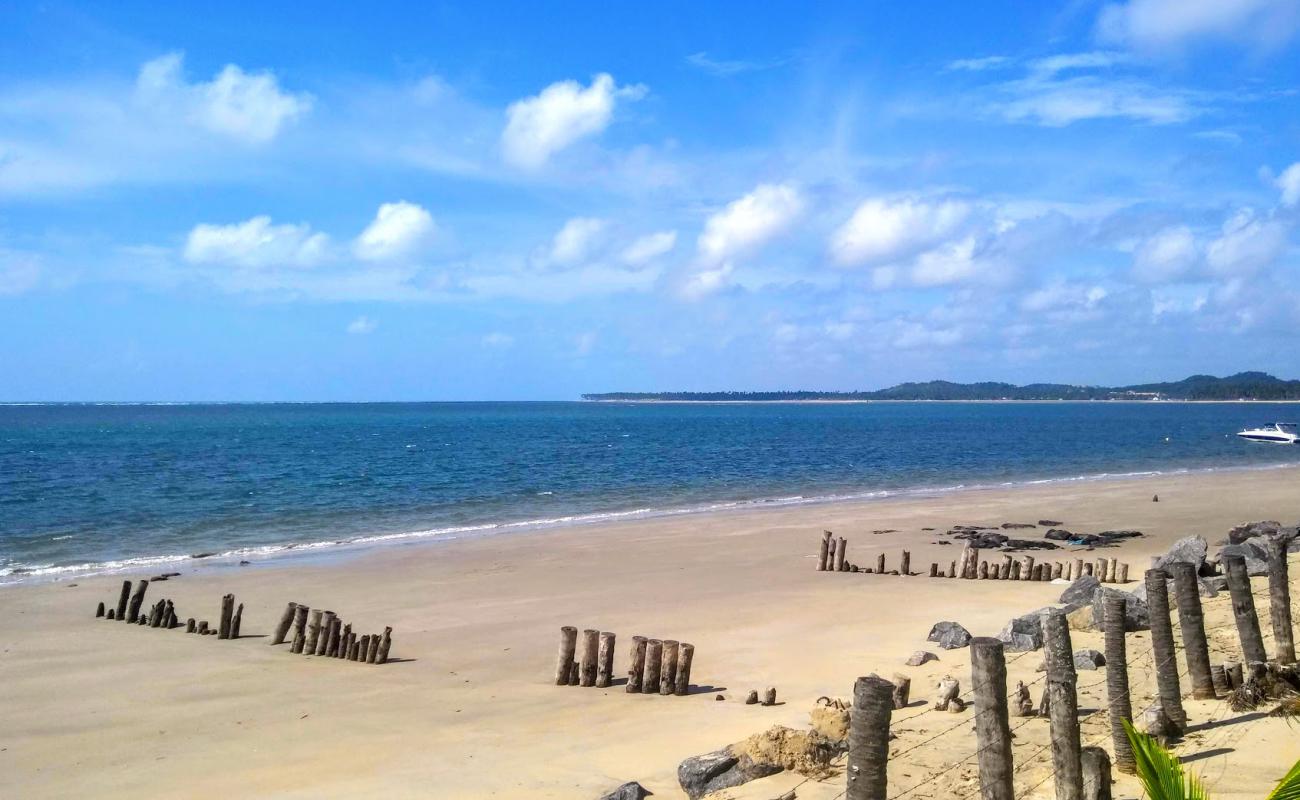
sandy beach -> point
(468, 709)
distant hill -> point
(1242, 386)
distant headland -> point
(1242, 386)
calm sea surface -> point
(91, 487)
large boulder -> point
(1088, 659)
(1253, 551)
(1249, 530)
(1080, 592)
(1024, 632)
(949, 635)
(721, 769)
(628, 791)
(1191, 549)
(1137, 617)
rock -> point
(948, 689)
(718, 698)
(1080, 619)
(830, 723)
(921, 657)
(752, 698)
(949, 635)
(721, 769)
(1049, 523)
(1014, 525)
(1191, 549)
(1254, 553)
(1024, 632)
(1058, 534)
(1210, 587)
(628, 791)
(1249, 530)
(1088, 659)
(1137, 617)
(1080, 592)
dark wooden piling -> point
(372, 652)
(830, 554)
(983, 573)
(190, 625)
(568, 646)
(122, 598)
(282, 627)
(1015, 570)
(1162, 646)
(202, 630)
(1279, 600)
(354, 649)
(1219, 675)
(1112, 570)
(1087, 568)
(323, 641)
(155, 614)
(824, 551)
(1123, 573)
(1058, 570)
(934, 570)
(1037, 573)
(1096, 773)
(169, 616)
(1243, 609)
(588, 656)
(605, 660)
(99, 610)
(363, 648)
(385, 643)
(1191, 619)
(346, 638)
(1234, 671)
(668, 670)
(902, 690)
(1117, 696)
(332, 639)
(769, 696)
(313, 632)
(685, 655)
(133, 611)
(573, 673)
(654, 653)
(299, 629)
(636, 665)
(1027, 571)
(880, 564)
(992, 720)
(868, 757)
(952, 569)
(1062, 706)
(227, 614)
(110, 614)
(906, 566)
(841, 554)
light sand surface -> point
(98, 709)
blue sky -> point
(530, 201)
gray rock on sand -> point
(1137, 617)
(1191, 549)
(1253, 551)
(1088, 659)
(1080, 592)
(628, 791)
(921, 657)
(949, 635)
(721, 769)
(1024, 632)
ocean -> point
(91, 488)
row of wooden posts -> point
(317, 632)
(162, 614)
(831, 558)
(655, 666)
(1084, 772)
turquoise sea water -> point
(93, 487)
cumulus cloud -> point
(704, 282)
(1157, 25)
(955, 262)
(1064, 296)
(397, 230)
(882, 230)
(750, 222)
(540, 126)
(575, 241)
(1289, 184)
(1247, 244)
(649, 247)
(1166, 256)
(362, 325)
(246, 106)
(256, 243)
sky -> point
(474, 201)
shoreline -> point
(327, 549)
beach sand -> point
(99, 709)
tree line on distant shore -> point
(1242, 386)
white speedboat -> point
(1277, 433)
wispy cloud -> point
(728, 67)
(979, 64)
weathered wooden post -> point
(299, 629)
(1062, 706)
(202, 630)
(282, 627)
(830, 555)
(1058, 570)
(313, 631)
(372, 654)
(1219, 675)
(868, 756)
(685, 655)
(1015, 570)
(1234, 672)
(332, 640)
(99, 610)
(235, 622)
(668, 670)
(1162, 645)
(385, 643)
(605, 662)
(636, 665)
(841, 554)
(190, 625)
(1243, 609)
(1191, 619)
(902, 690)
(992, 721)
(587, 666)
(906, 567)
(1096, 773)
(880, 564)
(952, 569)
(934, 570)
(122, 599)
(824, 551)
(568, 643)
(654, 653)
(133, 611)
(1117, 697)
(323, 641)
(1279, 599)
(1005, 572)
(1027, 569)
(1099, 571)
(169, 616)
(1087, 568)
(227, 614)
(1078, 569)
(1123, 573)
(345, 642)
(1036, 574)
(983, 573)
(769, 696)
(1112, 570)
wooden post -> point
(1087, 568)
(1112, 570)
(323, 641)
(1234, 671)
(299, 629)
(1068, 572)
(99, 610)
(902, 690)
(190, 625)
(385, 643)
(227, 614)
(880, 564)
(1005, 572)
(1078, 569)
(1162, 645)
(282, 627)
(332, 639)
(169, 616)
(1062, 706)
(122, 598)
(668, 672)
(685, 654)
(1058, 570)
(1243, 609)
(1219, 675)
(1096, 773)
(1117, 697)
(313, 632)
(636, 665)
(1027, 571)
(203, 627)
(868, 756)
(1191, 619)
(972, 566)
(1123, 573)
(372, 652)
(363, 648)
(1036, 574)
(133, 611)
(1015, 570)
(983, 573)
(934, 570)
(568, 643)
(1279, 600)
(605, 660)
(1100, 571)
(654, 652)
(992, 722)
(235, 622)
(769, 696)
(830, 554)
(824, 551)
(354, 650)
(345, 641)
(952, 569)
(155, 614)
(110, 615)
(841, 554)
(587, 665)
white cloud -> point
(649, 247)
(576, 240)
(397, 230)
(1064, 62)
(1166, 256)
(1246, 245)
(704, 282)
(1289, 184)
(727, 68)
(955, 262)
(978, 64)
(1174, 24)
(498, 340)
(1064, 296)
(256, 243)
(750, 222)
(246, 106)
(19, 272)
(362, 325)
(1057, 102)
(913, 335)
(883, 230)
(538, 127)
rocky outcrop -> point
(1080, 592)
(1088, 659)
(992, 540)
(949, 635)
(628, 791)
(1191, 549)
(721, 769)
(1137, 617)
(1253, 551)
(1024, 632)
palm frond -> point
(1289, 787)
(1161, 774)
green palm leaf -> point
(1289, 788)
(1161, 774)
